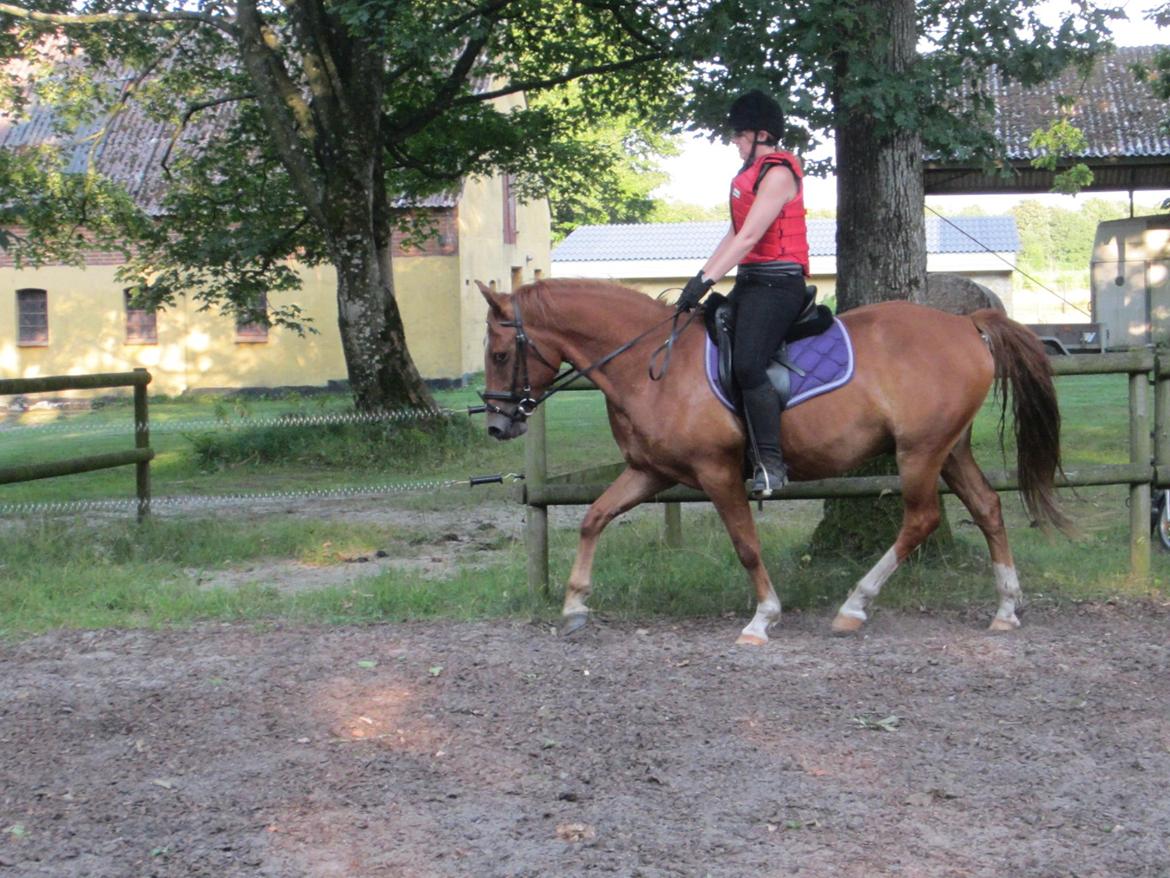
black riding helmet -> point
(755, 111)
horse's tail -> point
(1022, 367)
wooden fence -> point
(1149, 465)
(140, 455)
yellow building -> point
(59, 319)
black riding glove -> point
(695, 289)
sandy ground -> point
(925, 747)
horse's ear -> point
(492, 297)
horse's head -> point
(516, 371)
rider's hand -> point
(695, 289)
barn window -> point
(141, 323)
(32, 317)
(252, 323)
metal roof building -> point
(1127, 145)
(667, 251)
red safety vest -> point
(786, 239)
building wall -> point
(442, 311)
(427, 288)
(484, 256)
(87, 333)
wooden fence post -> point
(1139, 493)
(536, 517)
(142, 440)
(673, 525)
(1162, 419)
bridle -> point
(523, 402)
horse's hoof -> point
(751, 640)
(847, 624)
(573, 623)
(998, 624)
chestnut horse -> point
(920, 377)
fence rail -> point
(1149, 465)
(140, 456)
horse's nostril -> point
(495, 432)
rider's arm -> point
(776, 190)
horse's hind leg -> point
(920, 516)
(730, 500)
(964, 477)
(627, 491)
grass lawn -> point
(73, 571)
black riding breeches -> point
(763, 316)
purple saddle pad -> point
(826, 361)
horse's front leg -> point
(725, 487)
(628, 490)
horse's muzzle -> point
(502, 427)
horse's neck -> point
(589, 338)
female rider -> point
(769, 244)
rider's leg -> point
(761, 407)
(763, 315)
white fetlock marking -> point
(573, 606)
(767, 615)
(869, 586)
(1008, 586)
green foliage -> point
(1055, 238)
(676, 212)
(1157, 73)
(283, 141)
(1062, 138)
(615, 170)
(34, 233)
(826, 58)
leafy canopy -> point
(289, 115)
(823, 59)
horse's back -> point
(922, 345)
(920, 375)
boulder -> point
(957, 294)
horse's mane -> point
(539, 301)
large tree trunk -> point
(330, 142)
(382, 375)
(881, 235)
(881, 246)
(358, 221)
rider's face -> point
(743, 141)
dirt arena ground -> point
(925, 747)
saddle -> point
(814, 319)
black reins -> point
(524, 403)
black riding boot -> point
(761, 406)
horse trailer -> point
(1129, 281)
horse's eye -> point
(500, 357)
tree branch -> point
(223, 24)
(539, 84)
(406, 160)
(191, 111)
(288, 116)
(443, 99)
(460, 71)
(618, 10)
